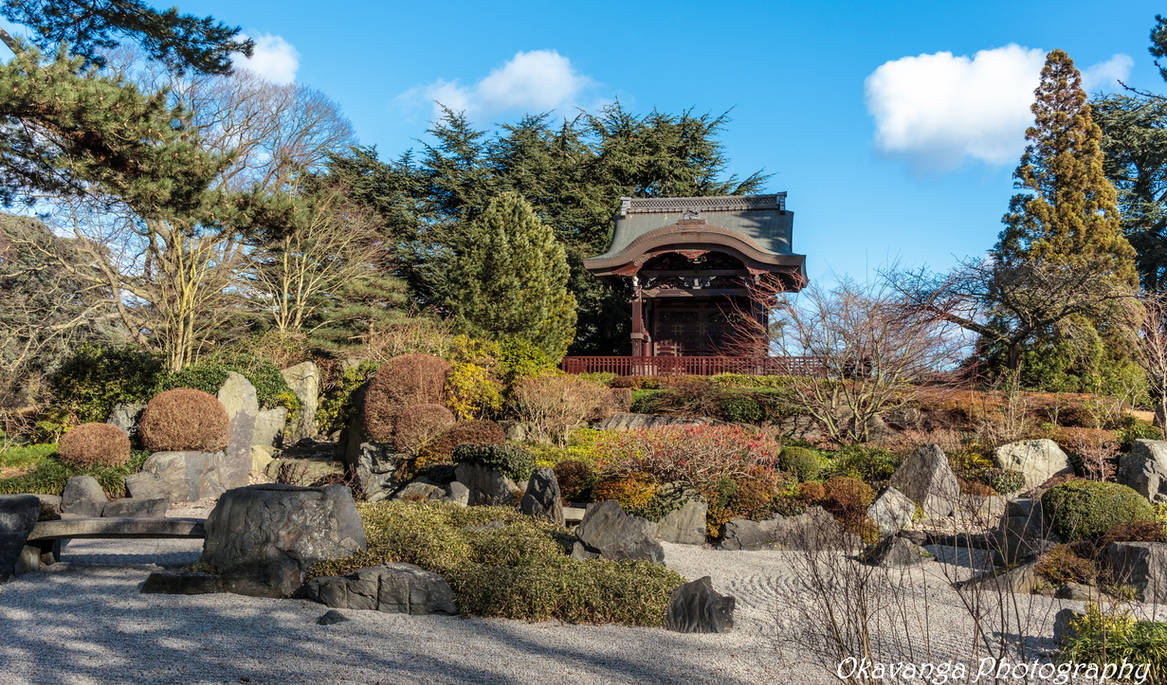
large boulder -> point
(186, 476)
(542, 498)
(892, 511)
(392, 588)
(134, 507)
(1143, 566)
(238, 397)
(269, 427)
(83, 496)
(1024, 531)
(304, 380)
(895, 552)
(143, 485)
(1037, 460)
(375, 466)
(810, 530)
(268, 535)
(1144, 469)
(686, 525)
(606, 530)
(927, 479)
(18, 515)
(696, 607)
(125, 415)
(487, 486)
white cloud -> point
(273, 58)
(539, 80)
(1106, 75)
(938, 109)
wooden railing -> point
(695, 366)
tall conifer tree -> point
(510, 278)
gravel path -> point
(84, 621)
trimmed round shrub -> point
(741, 409)
(401, 382)
(812, 491)
(575, 480)
(417, 425)
(633, 491)
(801, 461)
(848, 497)
(868, 464)
(1086, 509)
(512, 460)
(480, 431)
(95, 444)
(184, 419)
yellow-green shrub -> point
(471, 392)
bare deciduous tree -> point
(1151, 351)
(873, 347)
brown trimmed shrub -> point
(403, 381)
(1135, 531)
(95, 444)
(184, 419)
(479, 431)
(417, 425)
(812, 491)
(575, 479)
(1061, 565)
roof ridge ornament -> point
(691, 214)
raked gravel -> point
(84, 621)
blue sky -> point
(911, 165)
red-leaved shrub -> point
(480, 431)
(184, 419)
(415, 426)
(695, 455)
(403, 381)
(95, 444)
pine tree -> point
(510, 279)
(1066, 217)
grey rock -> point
(133, 507)
(29, 561)
(186, 476)
(269, 427)
(515, 431)
(302, 470)
(391, 588)
(686, 525)
(144, 485)
(542, 498)
(1024, 531)
(1077, 592)
(895, 552)
(83, 496)
(892, 511)
(331, 617)
(304, 380)
(265, 536)
(1143, 566)
(696, 607)
(626, 421)
(487, 486)
(420, 490)
(125, 415)
(1022, 579)
(239, 399)
(1037, 460)
(374, 466)
(812, 529)
(18, 514)
(457, 493)
(1062, 629)
(50, 502)
(613, 534)
(926, 478)
(1144, 468)
(581, 553)
(741, 533)
(979, 509)
(170, 582)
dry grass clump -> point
(403, 381)
(416, 426)
(184, 419)
(95, 444)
